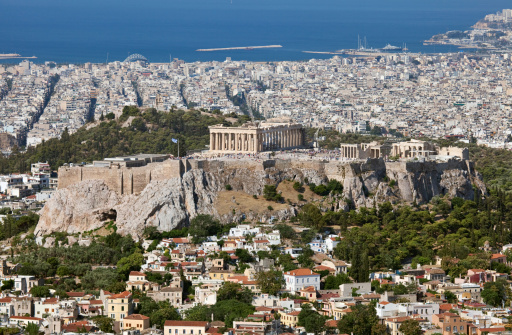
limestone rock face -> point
(172, 203)
(81, 207)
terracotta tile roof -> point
(51, 301)
(301, 272)
(323, 267)
(125, 294)
(331, 324)
(137, 273)
(398, 319)
(172, 323)
(136, 317)
(75, 294)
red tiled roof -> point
(137, 273)
(331, 323)
(136, 317)
(172, 323)
(125, 294)
(301, 272)
(51, 301)
(75, 294)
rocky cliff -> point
(171, 203)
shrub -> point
(300, 197)
(270, 208)
(392, 183)
(228, 187)
(255, 196)
(298, 187)
(270, 193)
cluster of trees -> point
(270, 193)
(13, 225)
(112, 138)
(333, 186)
(233, 302)
(76, 260)
(205, 225)
(158, 312)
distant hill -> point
(136, 131)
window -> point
(112, 308)
(183, 331)
(113, 316)
(461, 328)
(448, 328)
(122, 308)
(192, 331)
(175, 331)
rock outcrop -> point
(171, 203)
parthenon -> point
(273, 134)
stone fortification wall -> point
(167, 195)
(122, 180)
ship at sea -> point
(390, 47)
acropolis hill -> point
(167, 194)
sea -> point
(78, 31)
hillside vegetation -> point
(134, 132)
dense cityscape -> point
(364, 194)
(426, 95)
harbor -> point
(243, 48)
(15, 56)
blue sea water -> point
(77, 31)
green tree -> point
(161, 315)
(130, 263)
(311, 216)
(62, 271)
(410, 327)
(105, 324)
(494, 293)
(311, 320)
(270, 282)
(285, 231)
(40, 291)
(450, 297)
(270, 193)
(32, 329)
(203, 225)
(99, 278)
(334, 282)
(234, 291)
(7, 285)
(361, 321)
(244, 255)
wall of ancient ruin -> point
(121, 179)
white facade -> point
(298, 279)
